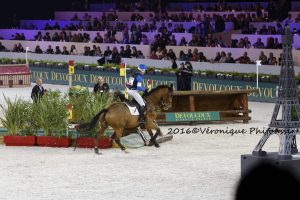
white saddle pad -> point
(133, 110)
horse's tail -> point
(89, 126)
(95, 120)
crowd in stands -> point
(135, 34)
(208, 22)
(114, 55)
(278, 29)
(271, 43)
(162, 39)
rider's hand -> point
(145, 92)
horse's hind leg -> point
(118, 135)
(99, 133)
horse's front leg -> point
(149, 128)
(157, 129)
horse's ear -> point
(171, 87)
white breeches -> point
(135, 94)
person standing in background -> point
(174, 64)
(184, 76)
(101, 86)
(37, 91)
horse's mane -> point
(158, 88)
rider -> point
(134, 86)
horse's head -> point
(162, 95)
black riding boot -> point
(142, 119)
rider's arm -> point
(139, 84)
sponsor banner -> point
(86, 78)
(192, 116)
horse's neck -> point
(153, 99)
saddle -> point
(133, 106)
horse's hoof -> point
(157, 145)
(125, 151)
(150, 144)
(97, 152)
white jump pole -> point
(26, 56)
(258, 63)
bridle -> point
(162, 104)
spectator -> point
(182, 56)
(229, 58)
(145, 40)
(56, 26)
(244, 59)
(218, 57)
(184, 75)
(219, 24)
(87, 51)
(223, 57)
(277, 45)
(57, 50)
(263, 30)
(98, 52)
(280, 29)
(39, 36)
(171, 55)
(115, 56)
(65, 51)
(22, 37)
(55, 37)
(297, 18)
(15, 48)
(101, 87)
(98, 39)
(153, 55)
(93, 51)
(288, 20)
(38, 50)
(47, 27)
(47, 37)
(2, 48)
(270, 43)
(159, 53)
(202, 58)
(173, 41)
(280, 59)
(134, 52)
(183, 42)
(140, 54)
(272, 60)
(73, 50)
(128, 51)
(259, 44)
(49, 50)
(174, 64)
(263, 58)
(20, 48)
(37, 91)
(194, 42)
(107, 52)
(195, 55)
(123, 52)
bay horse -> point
(118, 116)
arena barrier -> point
(200, 106)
